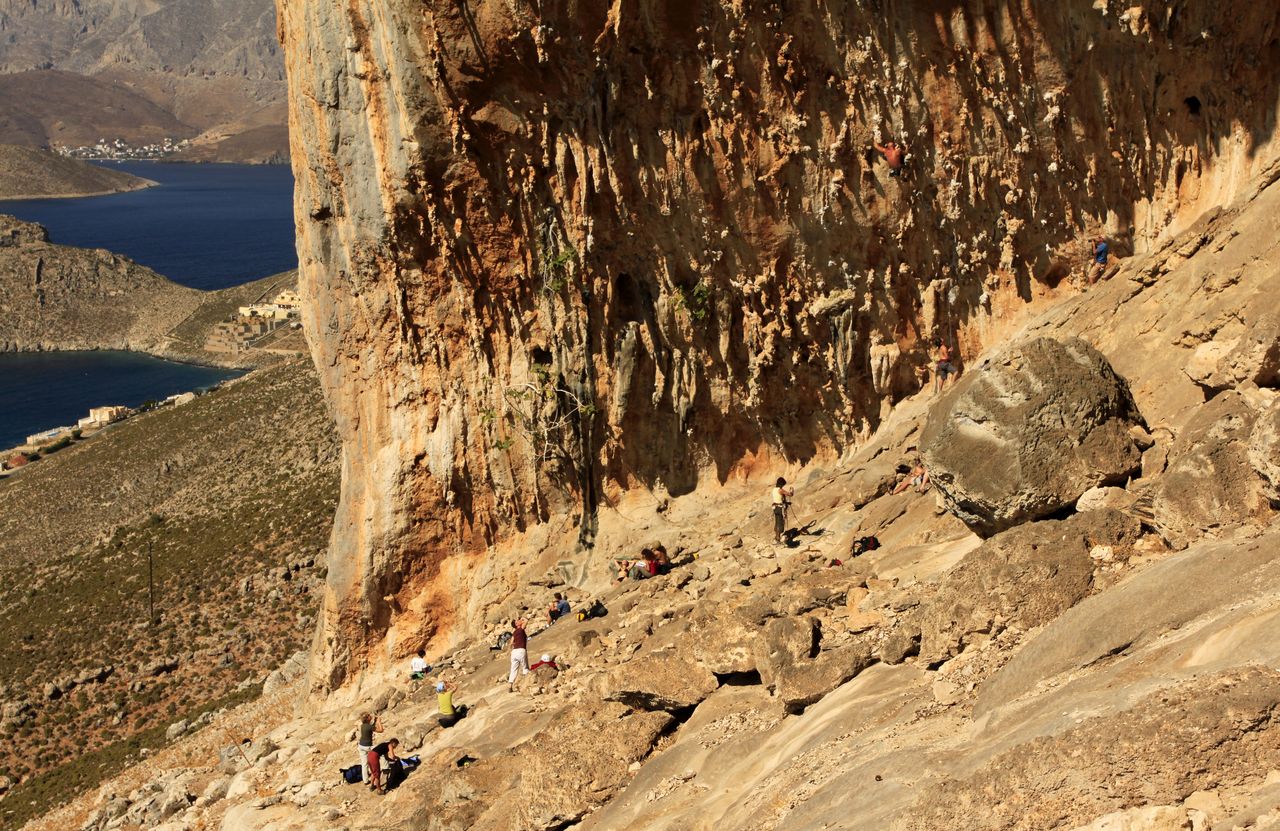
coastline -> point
(206, 360)
(142, 184)
(231, 373)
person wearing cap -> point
(450, 714)
(545, 671)
(544, 661)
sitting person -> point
(662, 558)
(386, 749)
(558, 609)
(919, 479)
(418, 667)
(545, 671)
(450, 713)
(545, 661)
(645, 567)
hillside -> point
(579, 279)
(227, 494)
(27, 173)
(58, 297)
(141, 72)
(1107, 665)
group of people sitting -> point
(653, 561)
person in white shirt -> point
(418, 667)
(781, 494)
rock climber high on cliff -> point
(894, 154)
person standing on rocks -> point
(942, 368)
(781, 498)
(385, 750)
(1101, 252)
(894, 154)
(519, 652)
(368, 726)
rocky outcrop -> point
(1220, 470)
(58, 297)
(1029, 431)
(552, 254)
(1021, 578)
(660, 682)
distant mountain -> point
(27, 173)
(75, 71)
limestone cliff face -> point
(555, 251)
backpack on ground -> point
(595, 610)
(863, 544)
(353, 775)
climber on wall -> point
(943, 369)
(893, 154)
(1101, 251)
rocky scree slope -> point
(1113, 666)
(552, 253)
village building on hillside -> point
(102, 416)
(255, 321)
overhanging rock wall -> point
(666, 213)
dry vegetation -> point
(229, 493)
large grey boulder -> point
(1221, 471)
(783, 642)
(659, 682)
(1026, 433)
(1023, 577)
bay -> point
(208, 226)
(41, 390)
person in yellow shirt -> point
(450, 714)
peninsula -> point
(29, 173)
(59, 297)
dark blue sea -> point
(207, 226)
(40, 390)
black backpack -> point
(863, 544)
(596, 609)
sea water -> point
(208, 226)
(42, 390)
